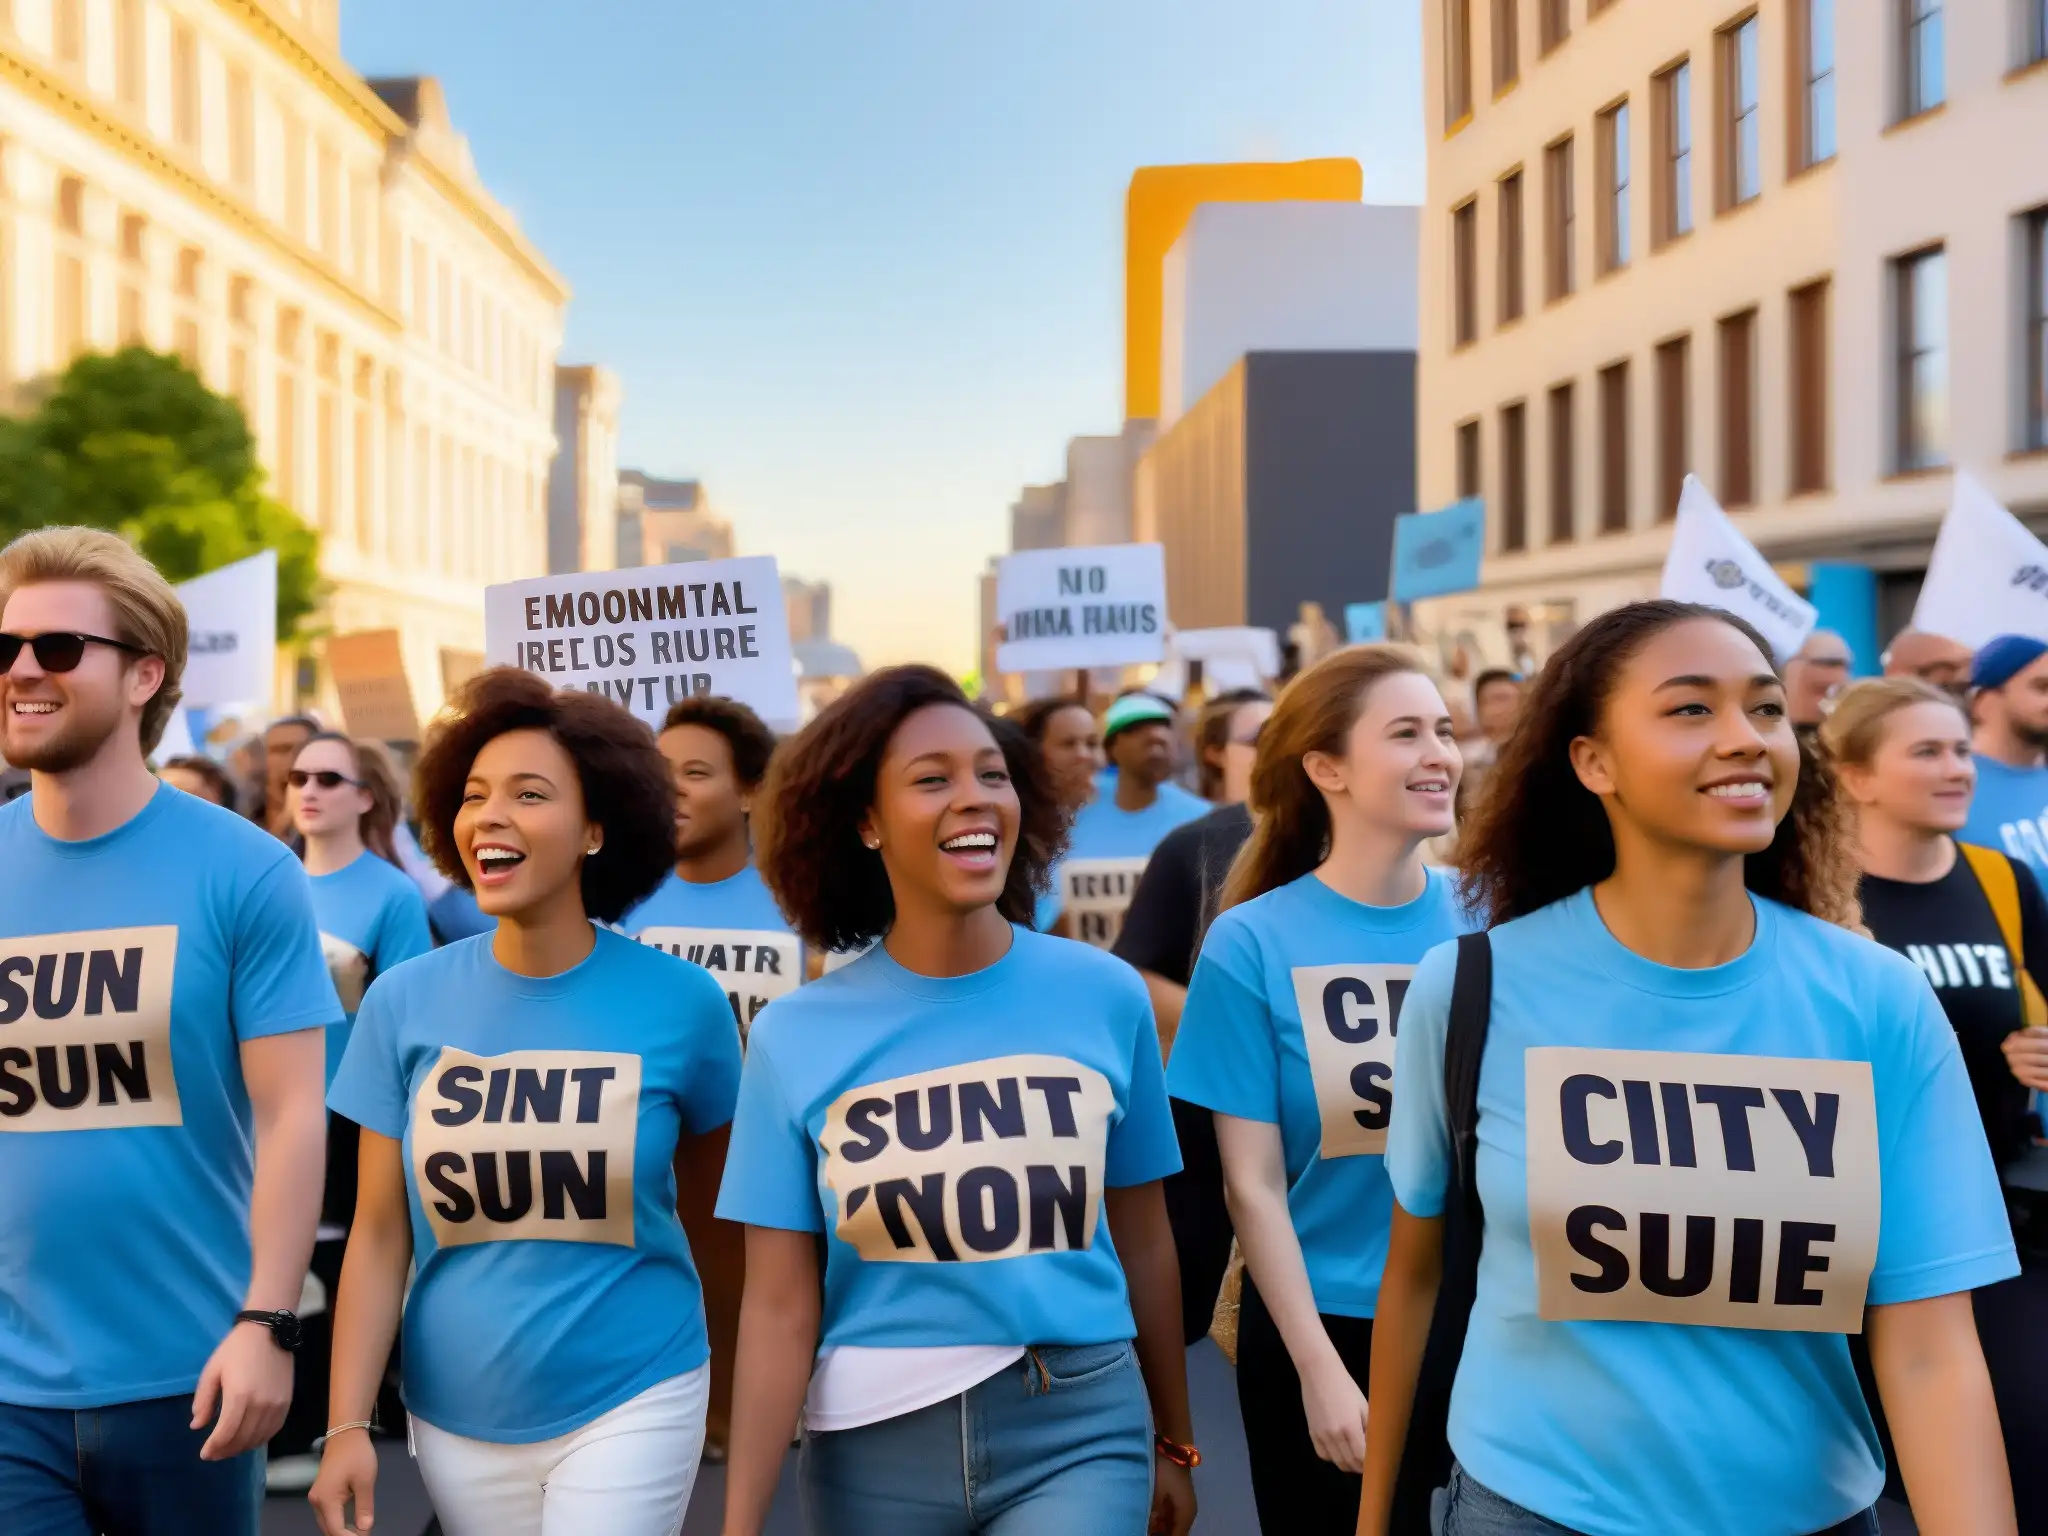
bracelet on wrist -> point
(1172, 1450)
(342, 1429)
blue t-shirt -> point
(1797, 1124)
(2010, 812)
(132, 968)
(1108, 851)
(371, 918)
(954, 1135)
(539, 1118)
(1291, 1019)
(732, 928)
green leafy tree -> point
(136, 443)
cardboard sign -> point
(1718, 1191)
(1096, 893)
(530, 1144)
(231, 656)
(649, 636)
(1710, 562)
(986, 1160)
(1350, 1015)
(85, 1030)
(754, 965)
(368, 669)
(1062, 609)
(1988, 576)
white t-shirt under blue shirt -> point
(539, 1118)
(732, 928)
(1106, 854)
(1694, 1180)
(1291, 1020)
(132, 968)
(372, 917)
(953, 1137)
(2009, 812)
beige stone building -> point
(210, 177)
(1798, 247)
(583, 481)
(665, 522)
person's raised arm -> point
(1144, 1242)
(1400, 1332)
(1937, 1395)
(778, 1341)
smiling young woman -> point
(1714, 1125)
(530, 1100)
(957, 1125)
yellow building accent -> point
(1161, 200)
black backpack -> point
(1426, 1455)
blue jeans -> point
(132, 1469)
(1061, 1452)
(1470, 1508)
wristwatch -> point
(285, 1329)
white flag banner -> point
(1988, 575)
(1099, 606)
(232, 616)
(1712, 563)
(176, 740)
(648, 636)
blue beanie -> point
(2004, 658)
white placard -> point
(649, 636)
(232, 617)
(1988, 575)
(1257, 649)
(1711, 562)
(1102, 606)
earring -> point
(591, 853)
(873, 847)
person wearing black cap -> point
(2009, 710)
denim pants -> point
(1059, 1444)
(132, 1469)
(1469, 1508)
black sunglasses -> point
(326, 778)
(58, 650)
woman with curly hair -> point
(530, 1100)
(1714, 1124)
(965, 1129)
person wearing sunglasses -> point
(163, 997)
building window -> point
(1563, 465)
(1457, 62)
(185, 86)
(1507, 44)
(1738, 409)
(186, 341)
(134, 230)
(1614, 188)
(2037, 31)
(1514, 477)
(329, 184)
(1465, 273)
(1741, 120)
(1923, 47)
(2037, 330)
(1673, 210)
(1920, 283)
(1560, 221)
(1674, 417)
(1468, 459)
(67, 32)
(1553, 23)
(1509, 260)
(128, 52)
(241, 130)
(1614, 448)
(1809, 388)
(1813, 70)
(295, 176)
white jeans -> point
(626, 1473)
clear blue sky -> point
(859, 262)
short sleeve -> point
(1944, 1226)
(1225, 1054)
(1142, 1145)
(1159, 929)
(280, 982)
(403, 934)
(1419, 1138)
(771, 1173)
(370, 1085)
(712, 1085)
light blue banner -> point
(1437, 553)
(1365, 622)
(1846, 597)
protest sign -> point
(649, 636)
(1365, 623)
(232, 617)
(369, 677)
(1988, 575)
(1711, 562)
(1437, 553)
(1062, 609)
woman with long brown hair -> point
(1713, 1124)
(1288, 1040)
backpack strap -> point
(2002, 889)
